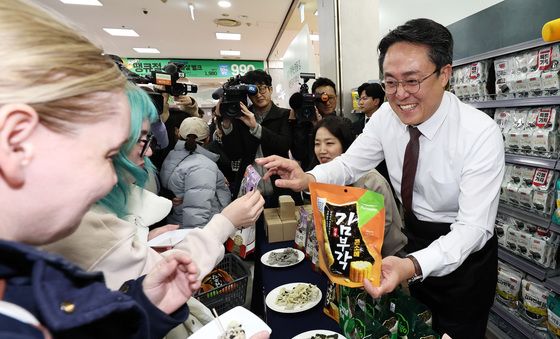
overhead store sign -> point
(196, 68)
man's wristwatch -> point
(417, 270)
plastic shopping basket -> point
(226, 297)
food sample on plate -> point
(234, 331)
(324, 336)
(288, 256)
(300, 295)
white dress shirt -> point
(460, 169)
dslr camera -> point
(303, 102)
(168, 77)
(232, 93)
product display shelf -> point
(498, 328)
(524, 265)
(529, 160)
(553, 283)
(516, 102)
(514, 319)
(528, 216)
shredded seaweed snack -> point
(349, 223)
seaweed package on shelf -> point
(556, 215)
(349, 225)
(553, 306)
(534, 297)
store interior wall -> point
(505, 24)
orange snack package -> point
(349, 223)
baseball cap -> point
(196, 126)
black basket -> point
(232, 294)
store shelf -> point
(554, 227)
(553, 284)
(527, 216)
(522, 264)
(501, 51)
(517, 322)
(517, 102)
(530, 160)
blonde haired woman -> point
(62, 107)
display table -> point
(285, 326)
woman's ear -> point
(17, 124)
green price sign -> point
(195, 68)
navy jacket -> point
(72, 303)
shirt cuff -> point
(425, 258)
(257, 131)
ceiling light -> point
(120, 31)
(146, 50)
(224, 4)
(314, 37)
(302, 12)
(191, 8)
(82, 2)
(230, 53)
(228, 36)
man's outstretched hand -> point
(291, 174)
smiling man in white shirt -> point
(446, 162)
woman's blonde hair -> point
(44, 63)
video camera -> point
(232, 93)
(168, 77)
(303, 102)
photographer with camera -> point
(260, 130)
(303, 118)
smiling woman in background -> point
(63, 117)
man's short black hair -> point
(373, 90)
(423, 32)
(257, 77)
(320, 82)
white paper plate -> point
(264, 257)
(309, 334)
(271, 299)
(250, 322)
(170, 238)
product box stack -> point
(395, 315)
(280, 223)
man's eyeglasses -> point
(411, 86)
(262, 88)
(146, 144)
(324, 97)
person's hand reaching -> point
(291, 174)
(244, 211)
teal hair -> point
(141, 109)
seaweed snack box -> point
(349, 225)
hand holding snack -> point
(291, 174)
(171, 282)
(245, 210)
(394, 270)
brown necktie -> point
(410, 164)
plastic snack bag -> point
(349, 224)
(242, 242)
